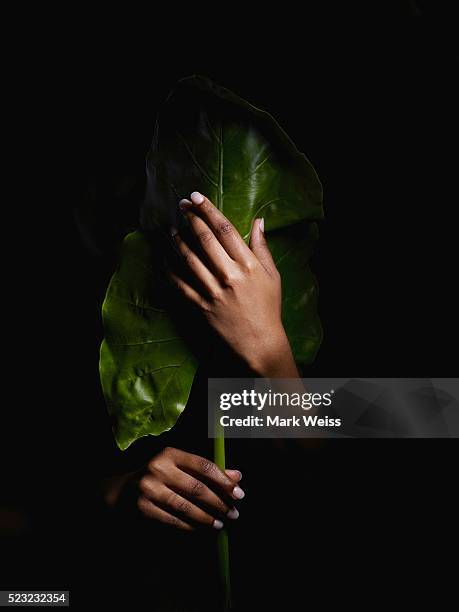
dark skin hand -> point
(236, 287)
(185, 491)
(238, 290)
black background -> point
(368, 93)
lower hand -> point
(187, 491)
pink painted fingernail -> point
(217, 524)
(197, 198)
(238, 493)
(184, 203)
(233, 514)
(262, 225)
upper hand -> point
(237, 287)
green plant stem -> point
(222, 537)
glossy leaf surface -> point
(146, 369)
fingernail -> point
(173, 231)
(240, 475)
(217, 524)
(233, 514)
(262, 225)
(238, 493)
(197, 198)
(184, 203)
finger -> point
(187, 290)
(226, 233)
(205, 469)
(151, 510)
(197, 491)
(234, 475)
(260, 247)
(196, 266)
(219, 260)
(180, 506)
(166, 497)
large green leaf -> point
(209, 140)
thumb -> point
(259, 245)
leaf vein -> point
(196, 163)
(140, 306)
(257, 167)
(161, 340)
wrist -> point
(274, 359)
